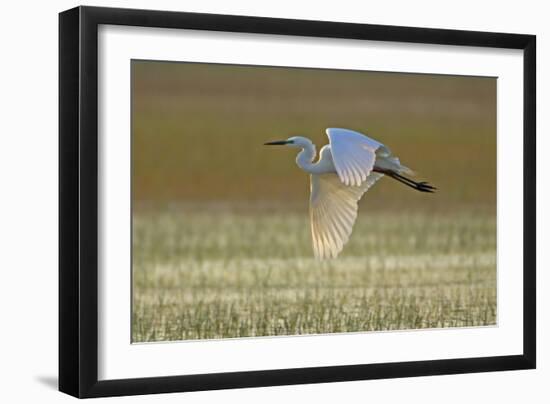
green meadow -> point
(221, 237)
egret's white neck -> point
(305, 158)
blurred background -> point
(221, 234)
(199, 129)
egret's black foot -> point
(425, 187)
(419, 186)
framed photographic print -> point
(251, 201)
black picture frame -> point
(78, 201)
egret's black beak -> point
(277, 143)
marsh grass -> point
(224, 274)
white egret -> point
(345, 170)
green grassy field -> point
(221, 236)
(221, 274)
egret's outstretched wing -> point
(354, 154)
(333, 210)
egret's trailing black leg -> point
(419, 186)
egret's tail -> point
(400, 168)
(405, 170)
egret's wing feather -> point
(333, 210)
(354, 154)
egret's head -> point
(294, 141)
